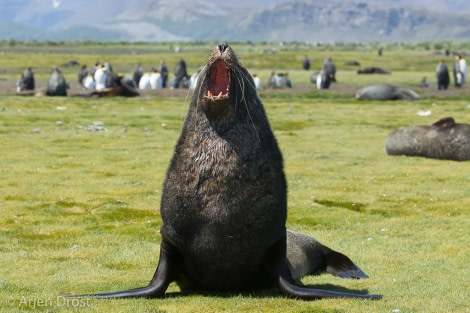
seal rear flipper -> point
(340, 265)
(444, 123)
(307, 256)
(164, 275)
(287, 286)
(276, 264)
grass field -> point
(79, 209)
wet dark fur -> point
(444, 139)
(224, 202)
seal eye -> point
(219, 81)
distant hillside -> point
(299, 20)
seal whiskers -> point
(242, 78)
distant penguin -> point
(283, 80)
(56, 85)
(82, 74)
(89, 82)
(460, 70)
(330, 68)
(144, 82)
(194, 78)
(112, 79)
(442, 76)
(257, 81)
(156, 81)
(323, 79)
(137, 74)
(100, 78)
(28, 79)
(306, 63)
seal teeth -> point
(221, 95)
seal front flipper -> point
(164, 275)
(307, 256)
(280, 268)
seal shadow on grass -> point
(260, 293)
(356, 207)
(353, 206)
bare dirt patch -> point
(8, 86)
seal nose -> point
(222, 47)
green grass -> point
(79, 210)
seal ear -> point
(446, 122)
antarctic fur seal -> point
(386, 92)
(373, 70)
(116, 91)
(71, 63)
(120, 85)
(444, 139)
(224, 200)
(352, 63)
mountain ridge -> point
(180, 20)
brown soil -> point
(9, 87)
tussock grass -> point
(79, 209)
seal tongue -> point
(219, 83)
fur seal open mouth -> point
(219, 85)
(217, 92)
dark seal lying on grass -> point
(386, 92)
(444, 139)
(122, 85)
(373, 70)
(224, 200)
